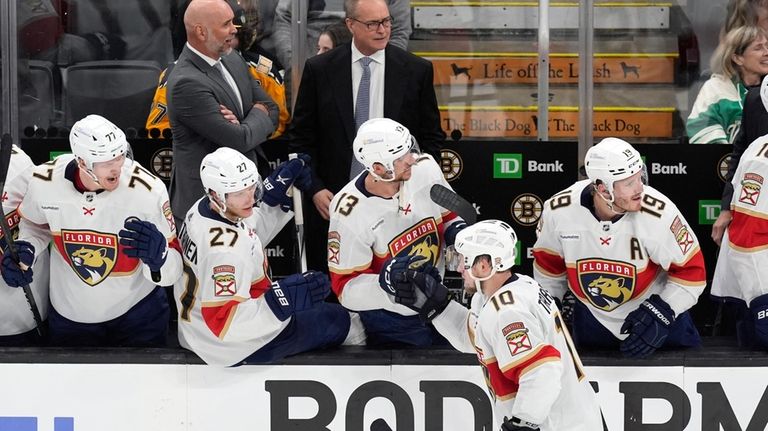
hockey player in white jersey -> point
(230, 309)
(625, 252)
(742, 265)
(382, 222)
(17, 326)
(532, 369)
(114, 241)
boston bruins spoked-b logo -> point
(91, 254)
(420, 239)
(606, 283)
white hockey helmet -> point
(95, 139)
(381, 140)
(611, 160)
(226, 170)
(489, 237)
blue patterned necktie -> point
(362, 108)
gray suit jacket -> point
(195, 91)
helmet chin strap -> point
(478, 280)
(221, 208)
(610, 203)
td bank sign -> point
(510, 165)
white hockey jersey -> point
(531, 367)
(93, 280)
(223, 316)
(742, 265)
(15, 311)
(613, 267)
(366, 230)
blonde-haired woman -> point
(740, 61)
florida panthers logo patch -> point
(224, 281)
(606, 283)
(750, 188)
(91, 254)
(421, 239)
(516, 335)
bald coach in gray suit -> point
(212, 101)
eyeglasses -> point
(374, 25)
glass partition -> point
(650, 59)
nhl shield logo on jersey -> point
(750, 188)
(517, 338)
(91, 254)
(682, 235)
(421, 239)
(606, 283)
(224, 282)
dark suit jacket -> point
(323, 124)
(195, 90)
(754, 124)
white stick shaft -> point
(298, 219)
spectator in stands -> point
(106, 293)
(740, 61)
(754, 124)
(213, 101)
(627, 254)
(329, 108)
(267, 72)
(514, 328)
(741, 13)
(332, 36)
(17, 325)
(230, 308)
(322, 13)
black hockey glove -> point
(426, 294)
(277, 185)
(452, 231)
(13, 275)
(143, 240)
(297, 292)
(516, 424)
(648, 327)
(394, 269)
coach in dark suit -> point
(324, 118)
(212, 101)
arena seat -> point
(38, 102)
(120, 90)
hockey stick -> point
(6, 146)
(298, 219)
(451, 201)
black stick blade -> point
(451, 201)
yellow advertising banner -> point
(562, 124)
(562, 70)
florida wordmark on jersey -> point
(223, 316)
(612, 267)
(366, 230)
(17, 317)
(531, 367)
(742, 264)
(93, 280)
